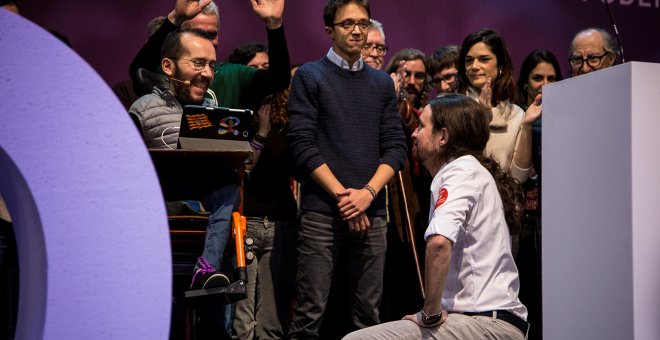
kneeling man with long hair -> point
(471, 281)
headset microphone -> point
(185, 82)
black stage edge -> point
(221, 295)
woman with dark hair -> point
(471, 281)
(253, 55)
(486, 74)
(539, 68)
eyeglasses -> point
(349, 25)
(381, 50)
(447, 78)
(417, 75)
(198, 64)
(592, 60)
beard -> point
(179, 89)
(184, 91)
(415, 95)
(425, 156)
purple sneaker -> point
(207, 277)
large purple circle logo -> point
(89, 218)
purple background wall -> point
(91, 228)
(108, 33)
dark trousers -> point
(322, 238)
(265, 312)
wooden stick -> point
(411, 233)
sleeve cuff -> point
(520, 174)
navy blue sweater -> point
(347, 120)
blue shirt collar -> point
(339, 61)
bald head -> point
(592, 49)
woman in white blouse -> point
(485, 71)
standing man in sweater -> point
(347, 142)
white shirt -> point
(466, 208)
(339, 61)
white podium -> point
(601, 205)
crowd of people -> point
(446, 146)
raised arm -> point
(270, 11)
(149, 55)
(186, 10)
(278, 76)
(522, 157)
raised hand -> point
(486, 94)
(397, 82)
(186, 10)
(533, 112)
(270, 11)
(398, 78)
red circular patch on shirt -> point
(442, 197)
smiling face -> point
(480, 64)
(194, 48)
(348, 43)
